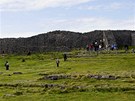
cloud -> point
(15, 5)
(89, 24)
(19, 34)
(111, 6)
(85, 24)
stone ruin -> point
(64, 41)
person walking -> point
(57, 62)
(7, 65)
(65, 56)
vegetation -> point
(83, 77)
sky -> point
(25, 18)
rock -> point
(64, 76)
(94, 76)
(112, 77)
(17, 72)
(105, 77)
(51, 77)
(109, 77)
(55, 77)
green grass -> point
(29, 86)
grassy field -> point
(83, 77)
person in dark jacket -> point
(7, 65)
(65, 56)
(126, 48)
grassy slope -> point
(121, 89)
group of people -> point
(98, 46)
(95, 46)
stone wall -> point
(63, 41)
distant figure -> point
(96, 46)
(65, 56)
(91, 47)
(57, 62)
(102, 44)
(133, 50)
(115, 47)
(112, 47)
(100, 47)
(126, 48)
(87, 47)
(7, 65)
(3, 52)
(29, 53)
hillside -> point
(64, 41)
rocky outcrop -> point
(64, 41)
(133, 39)
(108, 38)
(123, 37)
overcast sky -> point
(24, 18)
